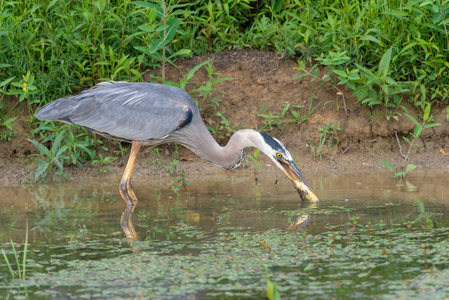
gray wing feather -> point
(128, 111)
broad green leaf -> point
(180, 52)
(278, 5)
(353, 76)
(162, 28)
(182, 12)
(384, 64)
(62, 150)
(371, 102)
(413, 120)
(409, 168)
(159, 10)
(411, 45)
(305, 74)
(426, 116)
(385, 88)
(388, 164)
(417, 132)
(6, 81)
(57, 141)
(399, 174)
(368, 73)
(192, 71)
(341, 73)
(390, 81)
(58, 162)
(370, 38)
(147, 28)
(156, 45)
(143, 49)
(42, 149)
(43, 166)
(138, 75)
(397, 13)
(173, 25)
(426, 3)
(343, 81)
(431, 125)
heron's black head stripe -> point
(273, 143)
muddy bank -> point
(262, 84)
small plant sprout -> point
(207, 89)
(272, 289)
(50, 159)
(329, 136)
(409, 225)
(104, 162)
(353, 221)
(368, 228)
(181, 181)
(255, 159)
(333, 241)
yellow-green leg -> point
(126, 189)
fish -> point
(305, 192)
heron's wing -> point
(123, 111)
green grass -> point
(21, 268)
(70, 45)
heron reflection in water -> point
(154, 114)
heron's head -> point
(282, 158)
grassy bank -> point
(386, 52)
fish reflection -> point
(303, 220)
(300, 221)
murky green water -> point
(369, 238)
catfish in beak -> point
(303, 188)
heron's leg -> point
(127, 224)
(125, 185)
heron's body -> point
(153, 114)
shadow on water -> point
(214, 240)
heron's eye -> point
(279, 155)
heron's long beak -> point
(302, 186)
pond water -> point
(236, 236)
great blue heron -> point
(154, 114)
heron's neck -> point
(231, 155)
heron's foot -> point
(127, 193)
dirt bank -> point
(263, 83)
